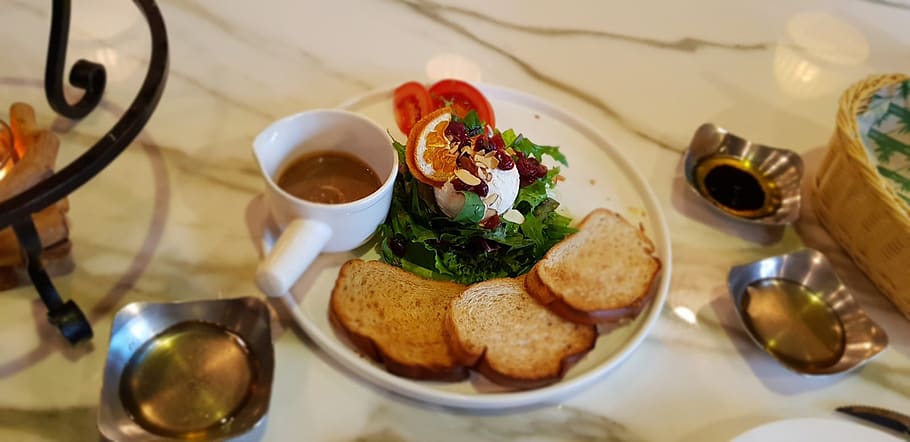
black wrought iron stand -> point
(89, 76)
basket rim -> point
(853, 101)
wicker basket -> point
(858, 207)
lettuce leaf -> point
(473, 209)
(531, 149)
(418, 237)
(472, 122)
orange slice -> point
(430, 158)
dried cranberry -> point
(505, 161)
(497, 142)
(481, 189)
(459, 185)
(397, 244)
(481, 245)
(439, 245)
(467, 163)
(482, 144)
(529, 169)
(458, 133)
(491, 222)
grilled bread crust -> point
(603, 273)
(396, 318)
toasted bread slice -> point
(396, 318)
(497, 328)
(602, 273)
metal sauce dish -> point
(796, 308)
(742, 179)
(197, 370)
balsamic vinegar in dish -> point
(736, 187)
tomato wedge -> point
(412, 102)
(462, 97)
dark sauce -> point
(735, 188)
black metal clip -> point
(90, 76)
(66, 316)
(86, 75)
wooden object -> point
(860, 210)
(34, 152)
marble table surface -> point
(168, 220)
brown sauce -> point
(329, 178)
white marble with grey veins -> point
(167, 220)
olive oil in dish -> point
(793, 323)
(736, 187)
(189, 381)
(329, 177)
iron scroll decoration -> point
(89, 76)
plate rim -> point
(375, 374)
(775, 428)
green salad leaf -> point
(473, 209)
(472, 122)
(531, 149)
(536, 192)
(420, 238)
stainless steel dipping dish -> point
(198, 370)
(812, 324)
(776, 172)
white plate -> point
(598, 176)
(809, 429)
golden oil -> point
(794, 324)
(189, 381)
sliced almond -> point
(466, 177)
(491, 199)
(513, 216)
(488, 161)
(487, 176)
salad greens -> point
(420, 238)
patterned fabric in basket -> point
(885, 130)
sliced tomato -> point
(462, 97)
(412, 102)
